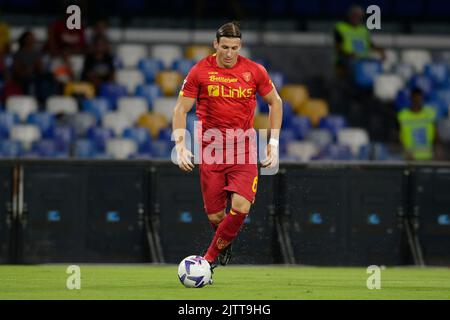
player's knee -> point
(216, 218)
(241, 204)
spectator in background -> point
(60, 67)
(417, 128)
(98, 64)
(27, 64)
(5, 39)
(100, 29)
(352, 41)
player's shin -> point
(225, 234)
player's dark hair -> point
(416, 91)
(229, 30)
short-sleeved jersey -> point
(226, 97)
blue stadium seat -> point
(438, 73)
(47, 148)
(84, 148)
(63, 136)
(165, 134)
(150, 68)
(278, 79)
(162, 149)
(365, 72)
(45, 121)
(403, 99)
(287, 135)
(333, 123)
(7, 120)
(183, 65)
(288, 114)
(99, 136)
(422, 82)
(439, 106)
(141, 136)
(336, 152)
(10, 148)
(97, 106)
(149, 91)
(112, 92)
(373, 151)
(300, 126)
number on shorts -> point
(255, 184)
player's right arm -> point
(184, 155)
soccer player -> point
(224, 87)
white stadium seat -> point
(353, 137)
(21, 105)
(167, 53)
(131, 54)
(116, 121)
(26, 134)
(130, 78)
(61, 104)
(165, 106)
(417, 58)
(404, 70)
(320, 137)
(391, 59)
(82, 122)
(132, 107)
(302, 151)
(386, 86)
(120, 148)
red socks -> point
(226, 232)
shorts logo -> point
(247, 76)
(222, 244)
(213, 90)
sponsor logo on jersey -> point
(247, 76)
(222, 79)
(228, 92)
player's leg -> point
(216, 218)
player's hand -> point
(184, 157)
(272, 157)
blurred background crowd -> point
(108, 89)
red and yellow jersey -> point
(226, 97)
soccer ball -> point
(194, 272)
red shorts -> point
(218, 181)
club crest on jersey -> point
(247, 76)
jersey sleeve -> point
(191, 85)
(263, 82)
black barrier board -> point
(6, 219)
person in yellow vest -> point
(352, 40)
(418, 128)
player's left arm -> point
(275, 118)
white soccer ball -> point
(194, 272)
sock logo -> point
(222, 244)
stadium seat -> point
(150, 68)
(336, 152)
(10, 148)
(286, 136)
(386, 86)
(97, 106)
(162, 149)
(63, 136)
(120, 148)
(99, 136)
(315, 109)
(404, 71)
(417, 58)
(131, 54)
(198, 52)
(444, 97)
(165, 106)
(438, 73)
(7, 120)
(112, 92)
(47, 148)
(302, 151)
(116, 121)
(373, 151)
(422, 82)
(153, 122)
(79, 89)
(84, 148)
(21, 105)
(353, 137)
(26, 134)
(443, 129)
(296, 95)
(45, 122)
(167, 53)
(391, 59)
(333, 123)
(61, 105)
(142, 138)
(169, 82)
(132, 107)
(130, 79)
(278, 79)
(183, 66)
(77, 63)
(320, 137)
(82, 122)
(365, 71)
(403, 99)
(300, 126)
(149, 91)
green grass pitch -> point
(231, 283)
